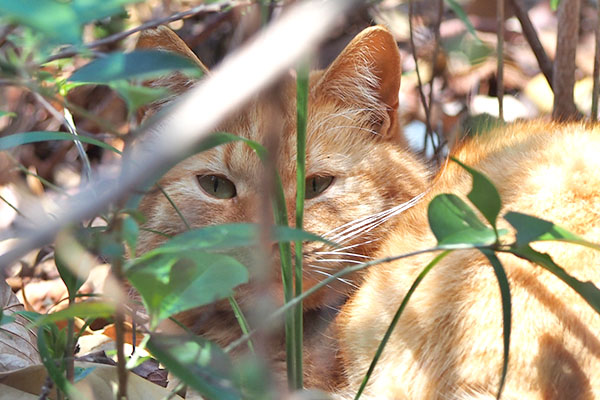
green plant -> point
(192, 269)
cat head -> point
(357, 166)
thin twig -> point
(596, 86)
(201, 9)
(500, 58)
(253, 67)
(419, 81)
(293, 302)
(534, 42)
(121, 360)
(46, 388)
(12, 206)
(434, 70)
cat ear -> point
(163, 38)
(367, 75)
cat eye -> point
(315, 185)
(217, 186)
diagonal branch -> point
(533, 40)
(235, 81)
(201, 9)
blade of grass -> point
(18, 139)
(301, 116)
(396, 318)
(172, 203)
(8, 203)
(239, 315)
(460, 13)
(348, 270)
(288, 289)
(45, 182)
(506, 311)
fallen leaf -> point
(17, 343)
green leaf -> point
(136, 96)
(554, 4)
(142, 64)
(483, 195)
(197, 362)
(478, 125)
(174, 282)
(130, 231)
(7, 114)
(455, 224)
(253, 376)
(60, 22)
(225, 237)
(81, 310)
(587, 290)
(57, 21)
(6, 319)
(81, 373)
(506, 311)
(533, 229)
(71, 280)
(94, 10)
(54, 371)
(19, 139)
(460, 13)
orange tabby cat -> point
(448, 343)
(356, 167)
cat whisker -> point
(371, 131)
(323, 268)
(356, 245)
(346, 281)
(339, 253)
(368, 223)
(341, 260)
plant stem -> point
(301, 112)
(348, 270)
(396, 318)
(239, 315)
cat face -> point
(356, 164)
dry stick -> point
(500, 59)
(231, 84)
(201, 9)
(596, 86)
(434, 71)
(121, 360)
(563, 74)
(534, 42)
(420, 83)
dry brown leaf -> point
(7, 392)
(99, 384)
(18, 347)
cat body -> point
(448, 342)
(366, 191)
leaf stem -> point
(396, 318)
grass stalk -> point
(348, 270)
(396, 318)
(241, 319)
(288, 287)
(301, 117)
